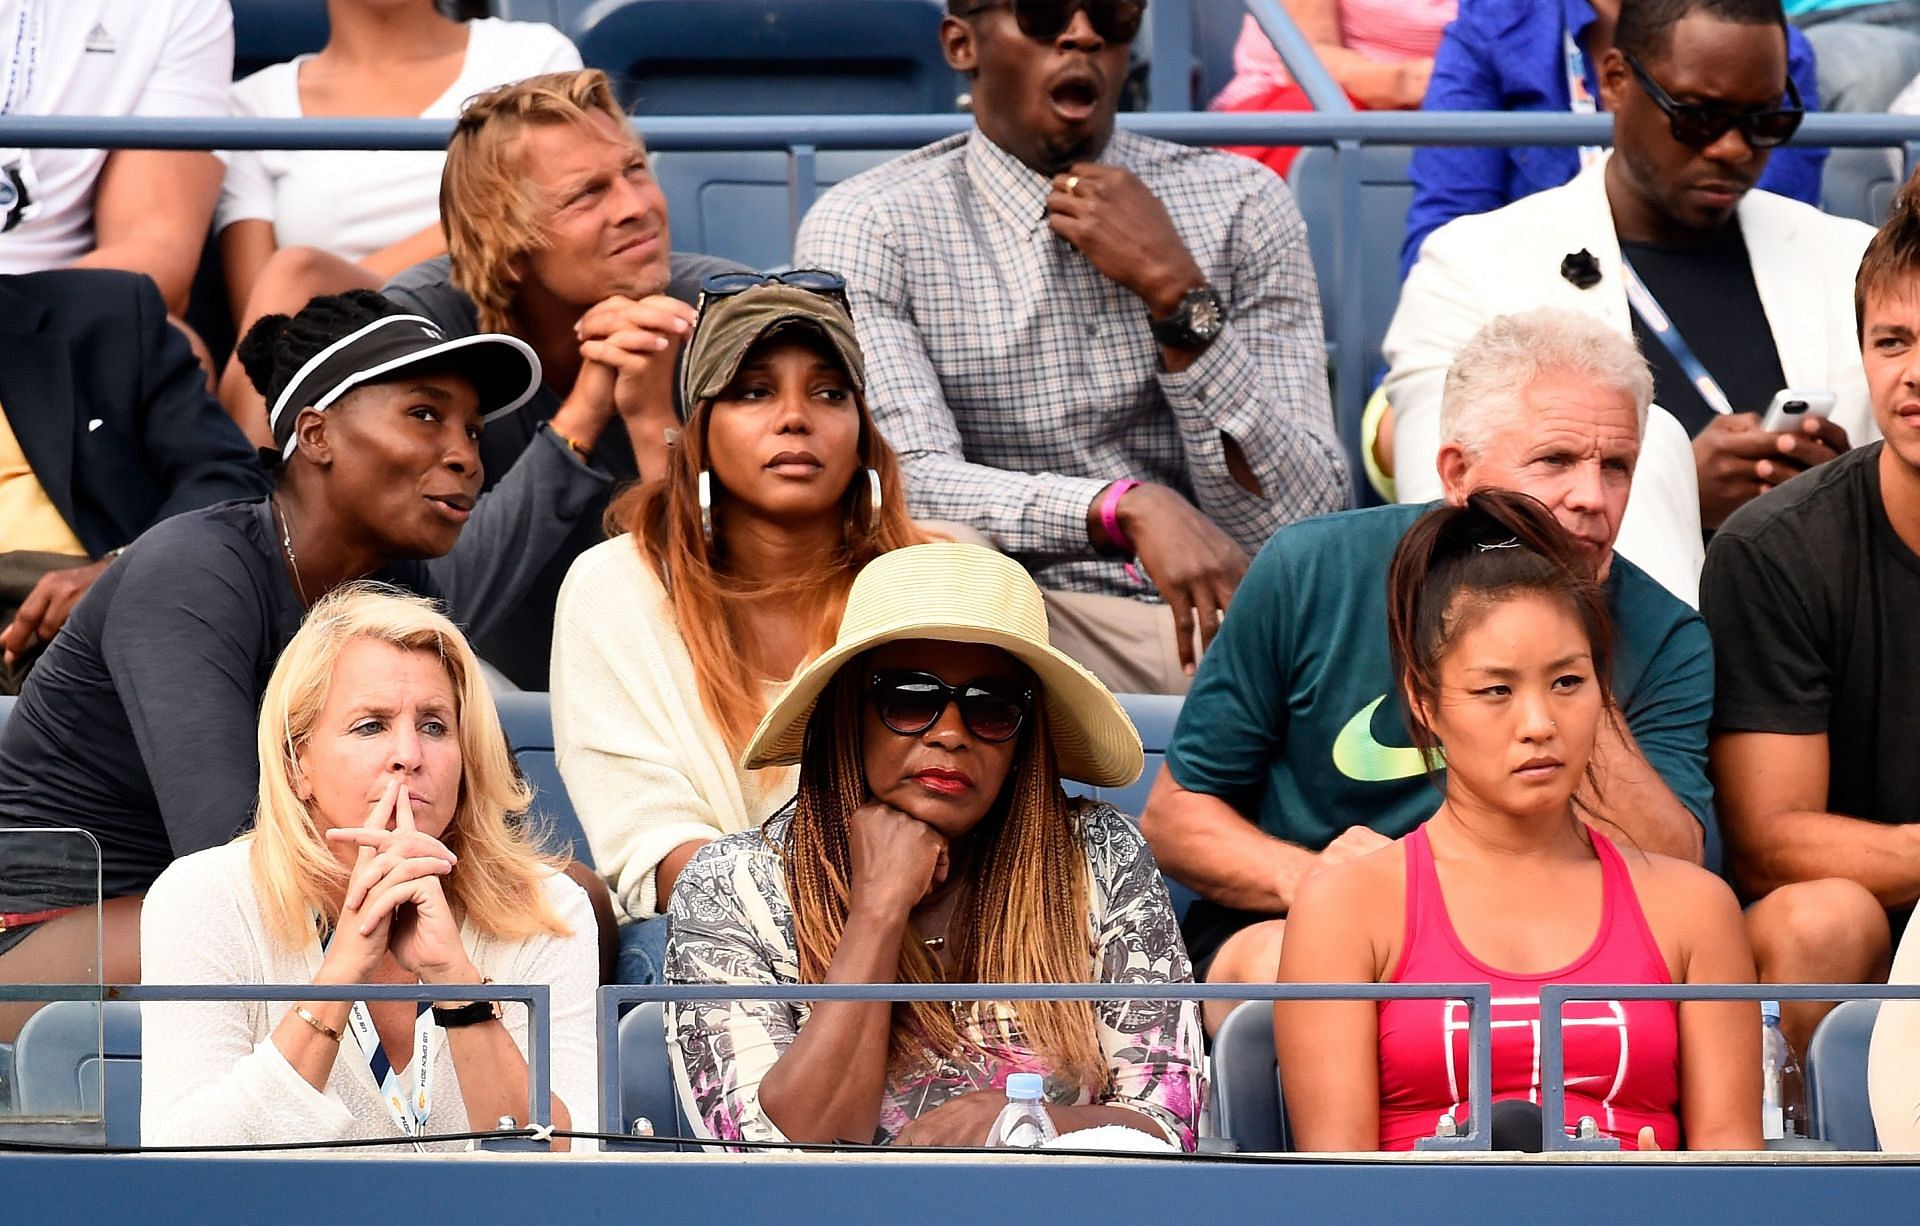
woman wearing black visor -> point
(138, 725)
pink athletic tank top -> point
(1622, 1057)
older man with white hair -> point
(1291, 752)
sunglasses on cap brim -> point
(1115, 21)
(814, 280)
(1697, 126)
(909, 703)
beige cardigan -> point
(645, 766)
(1893, 1060)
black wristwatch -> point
(1194, 323)
(466, 1015)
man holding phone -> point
(1732, 293)
(1093, 348)
(1809, 595)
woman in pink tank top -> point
(1502, 647)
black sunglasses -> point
(1699, 126)
(1115, 21)
(816, 280)
(909, 703)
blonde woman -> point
(381, 854)
(931, 842)
(671, 638)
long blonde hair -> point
(498, 884)
(490, 213)
(663, 518)
(1022, 914)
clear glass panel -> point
(54, 1062)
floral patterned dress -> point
(732, 923)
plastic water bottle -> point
(1023, 1123)
(1783, 1095)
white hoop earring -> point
(706, 505)
(873, 496)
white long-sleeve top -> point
(210, 1073)
(645, 765)
(1893, 1058)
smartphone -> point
(1791, 405)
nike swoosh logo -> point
(1361, 758)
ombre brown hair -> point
(1454, 566)
(1891, 264)
(1022, 912)
(491, 214)
(498, 885)
(708, 599)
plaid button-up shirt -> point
(1016, 381)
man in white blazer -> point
(1563, 248)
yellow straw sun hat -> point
(962, 594)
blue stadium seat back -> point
(1216, 27)
(769, 57)
(1836, 1076)
(1858, 183)
(6, 709)
(739, 206)
(646, 1075)
(58, 1064)
(527, 720)
(1248, 1106)
(274, 31)
(1385, 194)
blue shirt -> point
(1510, 55)
(1292, 717)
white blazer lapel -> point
(1591, 216)
(1797, 306)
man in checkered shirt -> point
(1089, 346)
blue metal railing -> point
(537, 997)
(1478, 998)
(1554, 998)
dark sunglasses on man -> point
(1698, 126)
(909, 703)
(1115, 21)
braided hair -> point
(277, 346)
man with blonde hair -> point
(557, 233)
(1291, 752)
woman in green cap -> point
(671, 639)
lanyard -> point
(1647, 307)
(410, 1105)
(20, 60)
(1581, 100)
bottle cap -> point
(1028, 1086)
(1769, 1010)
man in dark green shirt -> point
(1291, 753)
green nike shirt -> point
(1290, 720)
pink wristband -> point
(1110, 515)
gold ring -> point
(1073, 185)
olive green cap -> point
(732, 325)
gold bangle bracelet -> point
(300, 1011)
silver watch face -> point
(1205, 317)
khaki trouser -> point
(1126, 643)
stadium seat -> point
(6, 709)
(1836, 1076)
(740, 206)
(1385, 194)
(761, 57)
(274, 31)
(1216, 28)
(527, 720)
(1858, 183)
(646, 1076)
(58, 1064)
(1248, 1108)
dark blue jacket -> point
(1509, 55)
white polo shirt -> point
(98, 57)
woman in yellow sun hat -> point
(931, 841)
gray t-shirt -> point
(521, 643)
